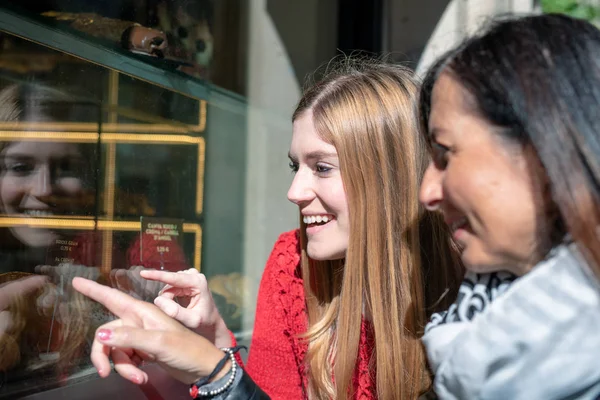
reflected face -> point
(318, 190)
(39, 179)
(482, 183)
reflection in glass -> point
(46, 328)
(101, 176)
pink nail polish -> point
(104, 334)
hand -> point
(132, 283)
(200, 313)
(56, 298)
(10, 291)
(63, 274)
(144, 333)
(10, 352)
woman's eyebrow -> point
(320, 154)
(315, 155)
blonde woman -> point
(343, 300)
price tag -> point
(164, 235)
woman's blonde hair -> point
(400, 260)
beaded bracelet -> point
(195, 391)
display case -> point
(105, 153)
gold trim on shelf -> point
(197, 230)
(109, 176)
(201, 117)
(87, 224)
(53, 223)
(200, 178)
(157, 138)
(85, 137)
(93, 127)
(78, 137)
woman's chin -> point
(35, 237)
(319, 254)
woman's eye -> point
(19, 168)
(293, 166)
(321, 169)
(439, 154)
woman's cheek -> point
(71, 185)
(11, 192)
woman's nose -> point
(41, 182)
(301, 190)
(431, 193)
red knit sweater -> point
(276, 359)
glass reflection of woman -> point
(40, 179)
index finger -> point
(19, 287)
(114, 300)
(174, 279)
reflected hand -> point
(12, 290)
(60, 292)
(143, 332)
(132, 283)
(67, 272)
(10, 352)
(200, 313)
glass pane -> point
(139, 99)
(166, 157)
(101, 175)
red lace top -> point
(276, 359)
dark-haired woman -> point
(512, 117)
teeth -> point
(315, 219)
(456, 224)
(38, 213)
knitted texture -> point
(276, 360)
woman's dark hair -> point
(538, 79)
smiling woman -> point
(343, 299)
(318, 191)
(372, 262)
(512, 120)
(486, 190)
(41, 179)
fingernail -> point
(104, 334)
(136, 379)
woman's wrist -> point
(227, 383)
(224, 371)
(222, 336)
(220, 379)
(217, 333)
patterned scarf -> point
(476, 293)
